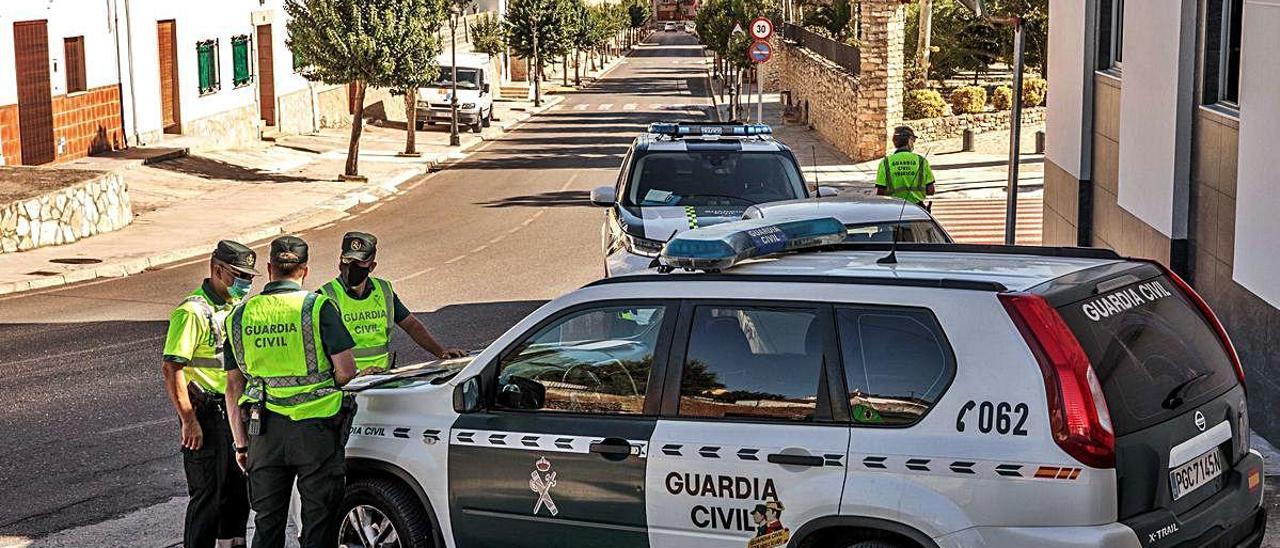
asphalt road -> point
(87, 431)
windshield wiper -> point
(1174, 399)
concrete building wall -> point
(1162, 174)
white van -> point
(475, 96)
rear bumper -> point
(1233, 518)
(1112, 535)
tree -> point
(536, 29)
(417, 46)
(925, 37)
(488, 35)
(345, 41)
(638, 13)
(833, 18)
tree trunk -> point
(926, 35)
(411, 120)
(577, 67)
(564, 76)
(357, 124)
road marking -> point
(455, 259)
(629, 106)
(606, 106)
(371, 208)
(478, 249)
(137, 426)
(414, 275)
(580, 107)
(498, 239)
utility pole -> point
(537, 66)
(454, 139)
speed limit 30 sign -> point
(761, 28)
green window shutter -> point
(207, 62)
(240, 61)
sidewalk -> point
(184, 205)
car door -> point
(748, 447)
(558, 454)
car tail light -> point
(1078, 414)
(1211, 318)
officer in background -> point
(287, 356)
(195, 382)
(369, 307)
(905, 174)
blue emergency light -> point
(676, 129)
(721, 246)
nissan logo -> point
(1200, 421)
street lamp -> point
(457, 9)
(1015, 118)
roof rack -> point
(996, 249)
(942, 283)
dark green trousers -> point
(309, 451)
(218, 507)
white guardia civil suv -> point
(771, 385)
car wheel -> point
(431, 122)
(381, 513)
(475, 128)
(488, 118)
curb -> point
(326, 212)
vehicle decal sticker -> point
(431, 436)
(525, 441)
(541, 480)
(965, 467)
(1001, 418)
(919, 465)
(769, 529)
(710, 452)
(692, 215)
(379, 431)
(742, 453)
(747, 453)
(1054, 472)
(662, 222)
(672, 449)
(1122, 300)
(1009, 470)
(402, 432)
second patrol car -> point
(797, 391)
(685, 175)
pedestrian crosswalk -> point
(982, 221)
(631, 107)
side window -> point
(753, 363)
(896, 361)
(591, 361)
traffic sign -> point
(761, 28)
(760, 51)
(737, 29)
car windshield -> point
(709, 178)
(467, 78)
(919, 232)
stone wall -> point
(826, 90)
(100, 204)
(229, 129)
(304, 112)
(930, 129)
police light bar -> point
(721, 246)
(674, 129)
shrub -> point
(969, 100)
(1002, 98)
(1033, 92)
(923, 103)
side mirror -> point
(485, 89)
(603, 196)
(466, 396)
(827, 192)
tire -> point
(431, 122)
(419, 125)
(488, 118)
(377, 503)
(475, 128)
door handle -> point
(614, 448)
(796, 460)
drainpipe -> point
(115, 31)
(133, 95)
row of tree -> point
(948, 39)
(716, 21)
(394, 43)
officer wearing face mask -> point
(370, 308)
(195, 382)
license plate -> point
(1194, 474)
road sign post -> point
(760, 53)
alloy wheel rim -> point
(366, 526)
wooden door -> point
(170, 107)
(266, 76)
(35, 95)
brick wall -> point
(10, 141)
(89, 121)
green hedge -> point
(969, 100)
(923, 103)
(1034, 91)
(1002, 98)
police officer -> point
(905, 174)
(287, 355)
(195, 382)
(370, 307)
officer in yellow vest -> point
(287, 356)
(371, 309)
(905, 174)
(195, 382)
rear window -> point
(1153, 351)
(919, 232)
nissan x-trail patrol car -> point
(680, 176)
(795, 391)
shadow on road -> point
(208, 168)
(565, 198)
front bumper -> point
(438, 114)
(625, 262)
